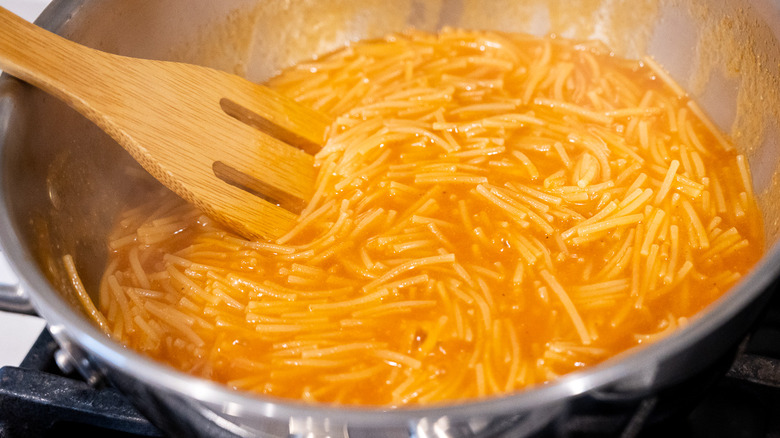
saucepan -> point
(63, 181)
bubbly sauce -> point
(492, 211)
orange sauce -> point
(495, 211)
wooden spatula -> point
(237, 150)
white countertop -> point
(18, 332)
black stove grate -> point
(36, 399)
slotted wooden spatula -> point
(237, 150)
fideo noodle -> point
(492, 211)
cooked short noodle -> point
(492, 211)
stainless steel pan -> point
(63, 180)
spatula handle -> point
(44, 59)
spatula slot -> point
(251, 118)
(258, 188)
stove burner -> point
(36, 399)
